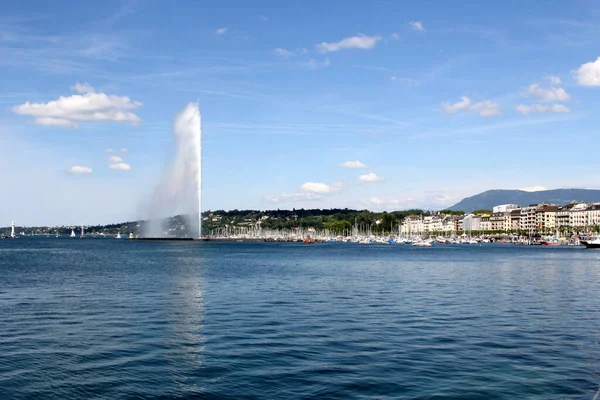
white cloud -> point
(548, 95)
(115, 159)
(354, 42)
(536, 188)
(314, 64)
(588, 74)
(78, 169)
(109, 150)
(485, 108)
(49, 121)
(371, 177)
(120, 166)
(405, 81)
(283, 53)
(320, 187)
(87, 107)
(83, 88)
(353, 164)
(375, 200)
(309, 191)
(302, 50)
(123, 150)
(554, 108)
(554, 80)
(221, 31)
(395, 36)
(417, 26)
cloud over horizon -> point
(120, 166)
(353, 164)
(370, 177)
(79, 170)
(484, 108)
(362, 42)
(588, 74)
(417, 26)
(87, 107)
(551, 94)
(543, 109)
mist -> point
(179, 191)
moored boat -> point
(308, 239)
(422, 243)
(593, 243)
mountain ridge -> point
(490, 198)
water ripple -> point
(117, 319)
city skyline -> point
(382, 106)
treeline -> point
(335, 219)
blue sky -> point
(437, 100)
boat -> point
(72, 233)
(118, 235)
(82, 234)
(130, 235)
(12, 232)
(551, 242)
(593, 243)
(308, 239)
(422, 243)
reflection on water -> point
(119, 319)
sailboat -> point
(118, 235)
(81, 236)
(130, 235)
(72, 233)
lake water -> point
(110, 319)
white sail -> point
(72, 233)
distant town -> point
(574, 218)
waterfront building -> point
(593, 214)
(578, 215)
(450, 223)
(562, 215)
(471, 222)
(514, 222)
(505, 208)
(413, 225)
(545, 217)
(485, 224)
(527, 221)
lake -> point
(111, 319)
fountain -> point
(180, 191)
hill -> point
(491, 198)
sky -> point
(382, 105)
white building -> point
(527, 221)
(413, 225)
(593, 214)
(578, 215)
(502, 208)
(471, 222)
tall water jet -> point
(180, 191)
